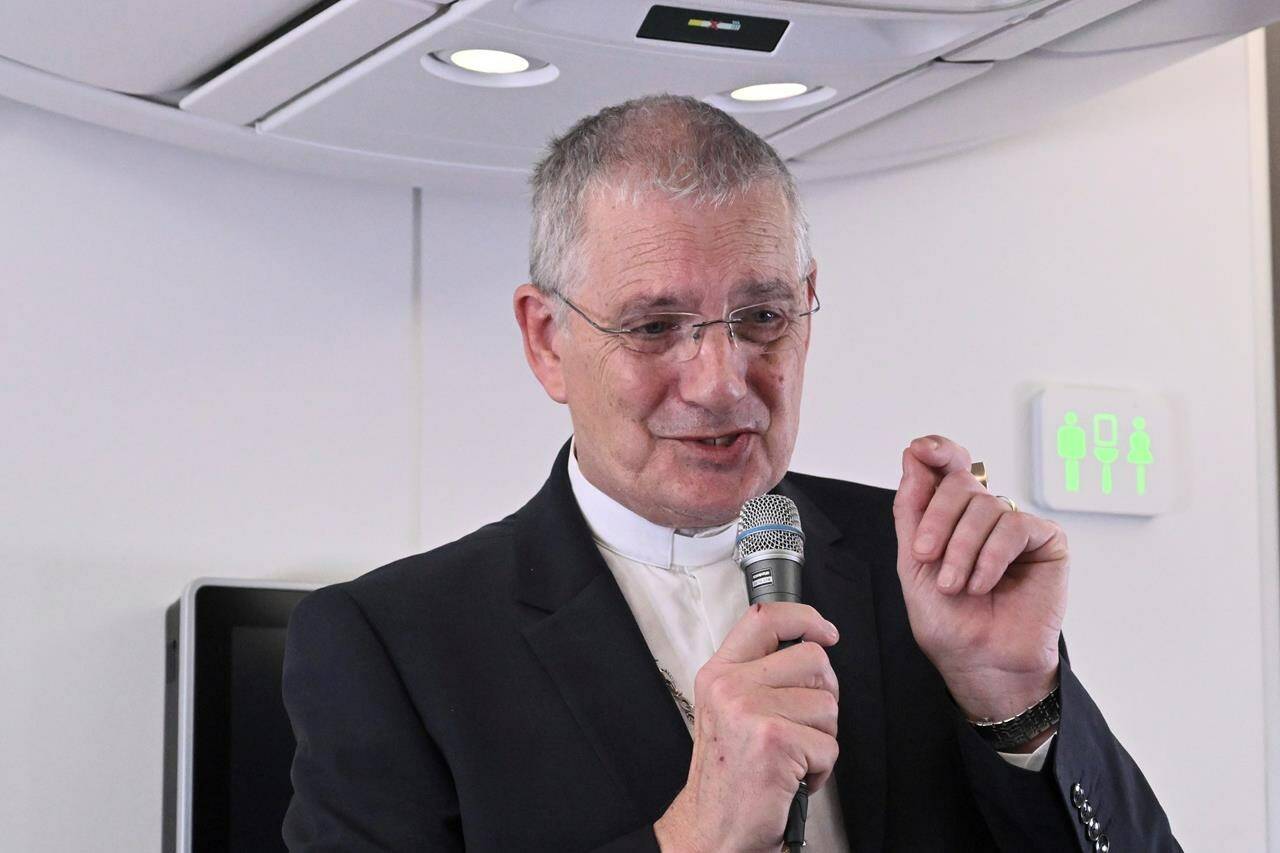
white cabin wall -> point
(951, 290)
(205, 369)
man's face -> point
(643, 425)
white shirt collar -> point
(625, 533)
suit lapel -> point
(837, 582)
(584, 634)
(582, 631)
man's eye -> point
(764, 316)
(655, 327)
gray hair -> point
(677, 146)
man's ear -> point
(536, 317)
(812, 278)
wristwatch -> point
(1003, 735)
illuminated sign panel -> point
(1103, 450)
(714, 29)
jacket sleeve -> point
(1088, 776)
(367, 775)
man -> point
(534, 685)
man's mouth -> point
(720, 440)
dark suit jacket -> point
(496, 693)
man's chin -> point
(709, 506)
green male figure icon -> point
(1071, 440)
(1140, 453)
(1105, 426)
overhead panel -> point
(145, 47)
(1007, 99)
(304, 56)
(1162, 22)
(871, 106)
(408, 100)
(1040, 28)
(941, 7)
(380, 89)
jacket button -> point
(1093, 829)
(1086, 811)
(1101, 845)
(1077, 795)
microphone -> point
(770, 551)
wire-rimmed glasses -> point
(677, 335)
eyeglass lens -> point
(678, 337)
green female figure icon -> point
(1105, 426)
(1140, 453)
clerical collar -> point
(622, 531)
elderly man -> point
(586, 674)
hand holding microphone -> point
(766, 705)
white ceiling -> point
(353, 87)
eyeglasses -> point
(676, 336)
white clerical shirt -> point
(686, 593)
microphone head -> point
(769, 523)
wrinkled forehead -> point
(687, 253)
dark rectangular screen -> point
(718, 29)
(261, 740)
(243, 741)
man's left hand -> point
(985, 586)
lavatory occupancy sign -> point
(1103, 450)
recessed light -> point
(489, 61)
(768, 91)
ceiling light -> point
(768, 91)
(489, 61)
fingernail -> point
(924, 543)
(947, 577)
(831, 627)
(933, 444)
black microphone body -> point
(770, 552)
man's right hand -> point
(765, 721)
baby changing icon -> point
(1097, 449)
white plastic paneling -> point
(836, 34)
(385, 118)
(1044, 26)
(139, 46)
(390, 104)
(1013, 96)
(883, 100)
(1154, 22)
(302, 57)
(947, 7)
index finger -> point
(765, 626)
(940, 453)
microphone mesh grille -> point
(769, 510)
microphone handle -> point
(778, 579)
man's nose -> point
(716, 377)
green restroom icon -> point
(1073, 450)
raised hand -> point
(985, 587)
(765, 720)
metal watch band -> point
(1039, 718)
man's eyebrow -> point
(767, 288)
(676, 300)
(653, 302)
